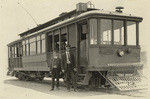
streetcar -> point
(105, 45)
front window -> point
(93, 31)
(106, 31)
(118, 32)
(131, 33)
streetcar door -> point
(83, 44)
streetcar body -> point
(104, 44)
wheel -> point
(25, 78)
(41, 78)
(19, 76)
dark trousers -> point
(70, 78)
(55, 75)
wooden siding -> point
(35, 61)
(100, 57)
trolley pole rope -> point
(103, 76)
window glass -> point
(27, 49)
(24, 49)
(93, 31)
(38, 47)
(9, 49)
(56, 42)
(23, 42)
(20, 50)
(38, 38)
(13, 52)
(32, 48)
(32, 40)
(43, 36)
(106, 31)
(131, 33)
(118, 32)
(43, 46)
(84, 29)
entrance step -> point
(81, 74)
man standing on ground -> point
(56, 67)
(69, 68)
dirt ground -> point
(12, 88)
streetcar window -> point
(43, 43)
(106, 31)
(63, 37)
(24, 47)
(17, 51)
(27, 47)
(84, 31)
(56, 42)
(13, 52)
(63, 41)
(131, 33)
(93, 31)
(9, 53)
(43, 36)
(38, 45)
(50, 42)
(38, 38)
(118, 32)
(32, 46)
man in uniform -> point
(56, 67)
(69, 69)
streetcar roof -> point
(14, 42)
(99, 12)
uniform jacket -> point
(56, 62)
(64, 61)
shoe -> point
(51, 89)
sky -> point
(15, 20)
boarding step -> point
(124, 83)
(80, 82)
(81, 74)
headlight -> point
(121, 53)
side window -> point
(27, 47)
(93, 31)
(13, 51)
(131, 33)
(9, 52)
(43, 42)
(32, 46)
(84, 31)
(106, 31)
(56, 42)
(24, 47)
(63, 38)
(38, 44)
